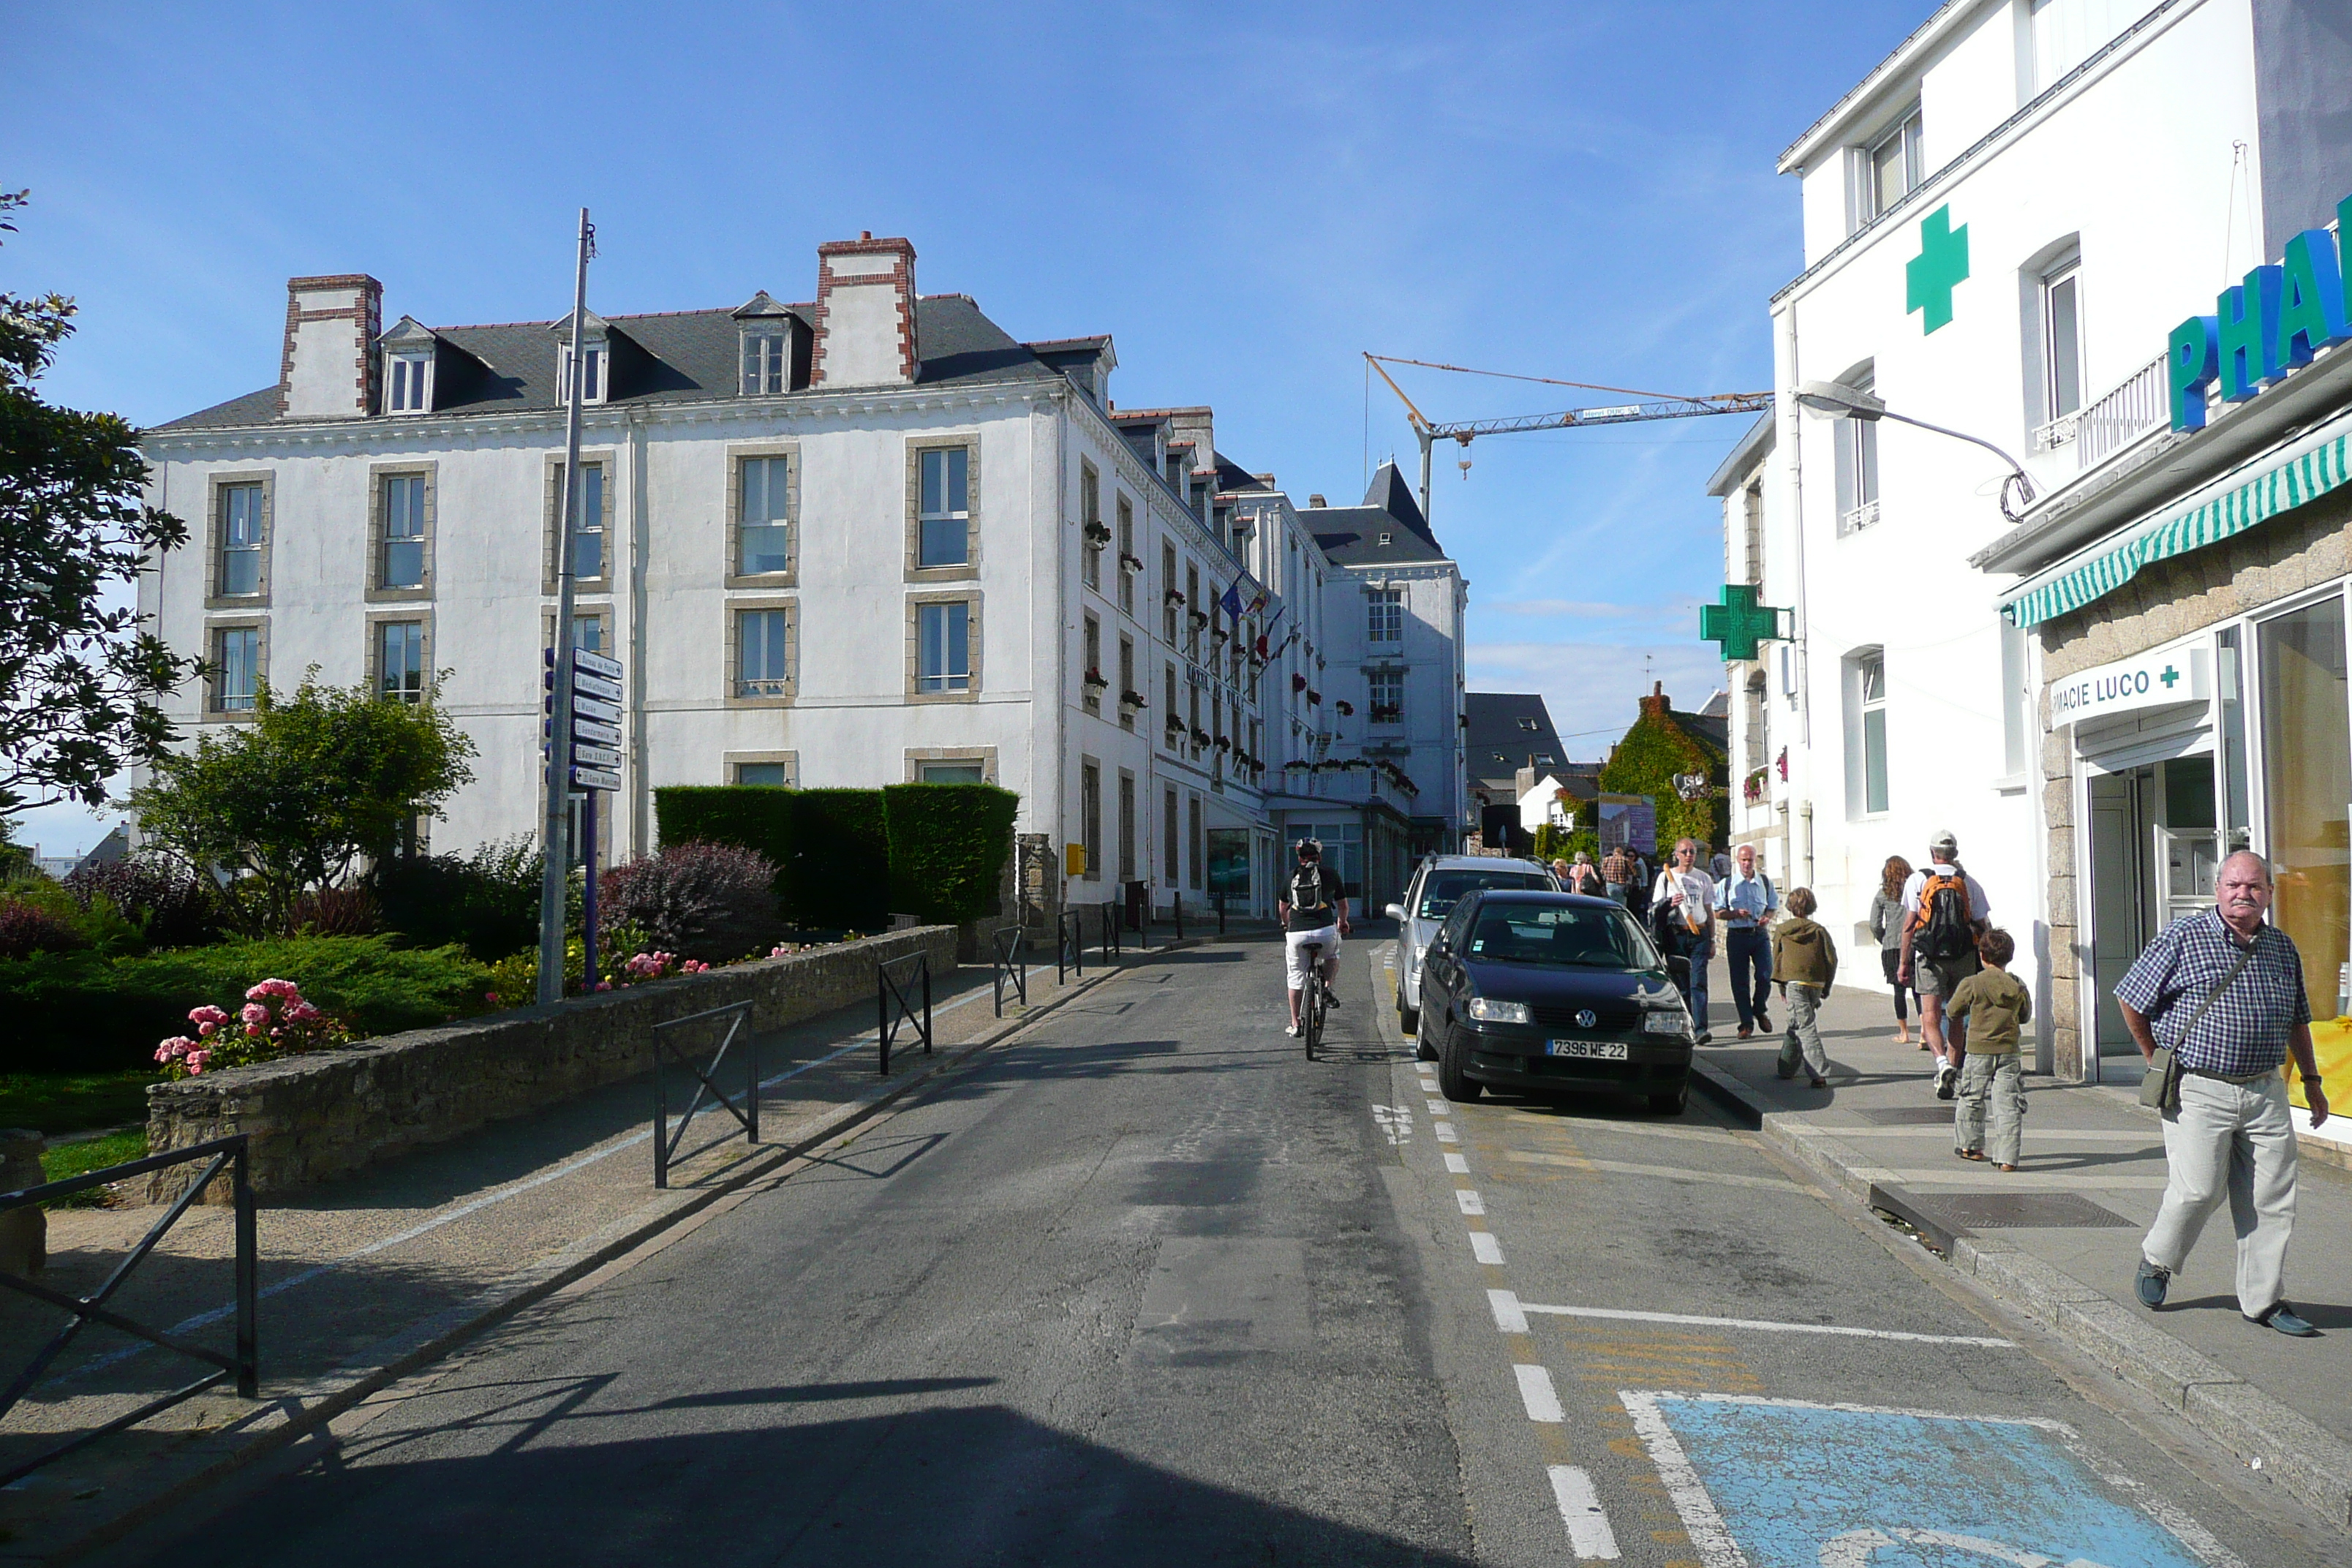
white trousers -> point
(1296, 960)
(2233, 1139)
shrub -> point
(338, 911)
(172, 906)
(840, 874)
(711, 901)
(757, 816)
(27, 927)
(487, 901)
(276, 1021)
(949, 846)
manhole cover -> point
(1908, 1115)
(2018, 1211)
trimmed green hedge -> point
(755, 817)
(948, 843)
(841, 863)
(82, 1011)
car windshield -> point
(1559, 935)
(1440, 890)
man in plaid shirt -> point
(2230, 1130)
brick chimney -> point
(865, 313)
(329, 369)
(1657, 702)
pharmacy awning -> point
(2245, 498)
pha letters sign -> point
(2263, 329)
(2149, 680)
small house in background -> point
(1508, 742)
(1680, 760)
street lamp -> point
(1835, 400)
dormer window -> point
(408, 384)
(767, 359)
(591, 372)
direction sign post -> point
(587, 733)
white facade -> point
(2065, 139)
(847, 544)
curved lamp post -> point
(1835, 400)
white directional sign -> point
(595, 756)
(597, 688)
(595, 664)
(586, 685)
(591, 708)
(594, 778)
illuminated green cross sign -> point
(1738, 622)
(1942, 261)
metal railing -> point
(1009, 963)
(1069, 948)
(1112, 916)
(746, 1112)
(895, 1005)
(244, 1362)
(2142, 404)
(1855, 518)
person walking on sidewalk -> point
(2226, 992)
(1887, 924)
(1997, 1006)
(1617, 873)
(1746, 905)
(1682, 912)
(1580, 878)
(1944, 912)
(1805, 959)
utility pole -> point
(555, 877)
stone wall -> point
(2297, 550)
(317, 1117)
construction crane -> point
(1651, 405)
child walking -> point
(1804, 962)
(1996, 1005)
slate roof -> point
(1497, 741)
(1350, 535)
(672, 357)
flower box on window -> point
(1131, 700)
(1199, 738)
(1314, 697)
(1752, 788)
(1173, 596)
(1098, 535)
(1096, 681)
(1298, 683)
(1130, 563)
(1200, 618)
(1386, 713)
(1347, 709)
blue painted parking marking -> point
(1776, 1483)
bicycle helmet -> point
(1310, 849)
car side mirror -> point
(1396, 913)
(1679, 967)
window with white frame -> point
(2065, 33)
(588, 535)
(237, 668)
(1869, 700)
(1090, 817)
(762, 528)
(407, 384)
(400, 563)
(1387, 612)
(762, 653)
(2062, 340)
(777, 775)
(1385, 694)
(588, 632)
(1090, 684)
(943, 647)
(240, 540)
(1856, 442)
(1128, 560)
(1169, 610)
(1090, 522)
(591, 374)
(400, 660)
(944, 519)
(767, 360)
(954, 772)
(1889, 169)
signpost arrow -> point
(594, 778)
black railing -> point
(1110, 921)
(1179, 917)
(1069, 948)
(244, 1363)
(746, 1111)
(894, 1000)
(1008, 964)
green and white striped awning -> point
(2253, 495)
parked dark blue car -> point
(1554, 993)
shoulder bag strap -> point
(2214, 996)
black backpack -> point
(1944, 928)
(1309, 889)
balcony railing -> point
(1858, 518)
(2132, 409)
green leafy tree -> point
(78, 675)
(309, 795)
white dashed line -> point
(1538, 1394)
(1456, 1165)
(1437, 1107)
(1485, 1247)
(1588, 1535)
(1445, 1133)
(1472, 1202)
(1507, 1316)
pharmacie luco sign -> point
(2178, 675)
(2264, 328)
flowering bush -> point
(712, 901)
(171, 905)
(27, 928)
(276, 1021)
(660, 965)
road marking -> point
(1456, 1165)
(1718, 1137)
(1763, 1325)
(1471, 1202)
(1538, 1394)
(1445, 1133)
(1437, 1107)
(1631, 1168)
(1507, 1316)
(1588, 1535)
(1485, 1247)
(1701, 1522)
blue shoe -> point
(2153, 1282)
(2287, 1321)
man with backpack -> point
(1313, 909)
(1944, 912)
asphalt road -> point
(1147, 1286)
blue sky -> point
(1244, 197)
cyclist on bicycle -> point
(1314, 909)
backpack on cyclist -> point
(1309, 888)
(1944, 928)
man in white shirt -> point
(1935, 974)
(1682, 906)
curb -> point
(299, 1410)
(2312, 1464)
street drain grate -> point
(2018, 1211)
(1908, 1115)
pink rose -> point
(197, 1060)
(491, 997)
(251, 1030)
(204, 1030)
(253, 1013)
(208, 1015)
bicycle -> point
(1311, 999)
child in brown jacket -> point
(1995, 1006)
(1804, 962)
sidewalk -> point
(2060, 1238)
(364, 1279)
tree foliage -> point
(1645, 762)
(79, 677)
(305, 797)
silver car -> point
(1436, 883)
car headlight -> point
(1665, 1021)
(1487, 1010)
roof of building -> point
(1506, 729)
(1753, 448)
(671, 357)
(1388, 529)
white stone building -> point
(2001, 223)
(851, 543)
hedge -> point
(755, 817)
(82, 1011)
(841, 862)
(949, 844)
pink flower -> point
(171, 1049)
(251, 1030)
(204, 1030)
(197, 1060)
(603, 985)
(491, 997)
(273, 988)
(253, 1013)
(208, 1015)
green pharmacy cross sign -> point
(1929, 277)
(1738, 622)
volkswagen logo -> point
(1587, 1018)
